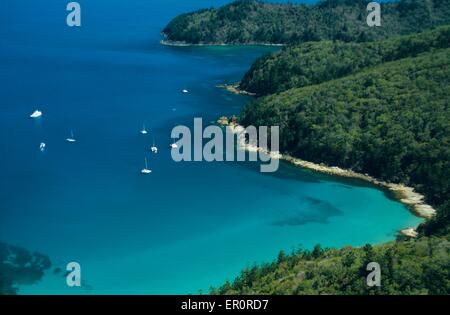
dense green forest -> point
(391, 121)
(316, 62)
(251, 21)
(408, 267)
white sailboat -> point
(71, 138)
(154, 149)
(173, 145)
(144, 131)
(145, 170)
(36, 114)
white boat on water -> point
(185, 91)
(36, 114)
(154, 149)
(71, 138)
(146, 170)
(173, 145)
(42, 147)
(144, 131)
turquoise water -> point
(186, 226)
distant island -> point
(370, 100)
(257, 22)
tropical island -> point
(257, 22)
(370, 100)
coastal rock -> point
(242, 143)
(409, 232)
(223, 121)
(413, 199)
(234, 88)
(233, 120)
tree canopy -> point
(408, 267)
(252, 21)
(316, 62)
(391, 121)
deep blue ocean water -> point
(186, 226)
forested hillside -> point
(391, 121)
(251, 21)
(316, 62)
(408, 267)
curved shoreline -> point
(166, 42)
(406, 195)
(234, 88)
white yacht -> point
(173, 145)
(185, 91)
(154, 149)
(71, 138)
(42, 147)
(36, 114)
(145, 170)
(144, 131)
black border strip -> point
(223, 304)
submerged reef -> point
(19, 266)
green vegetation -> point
(251, 21)
(316, 62)
(19, 266)
(380, 108)
(440, 224)
(408, 267)
(391, 121)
